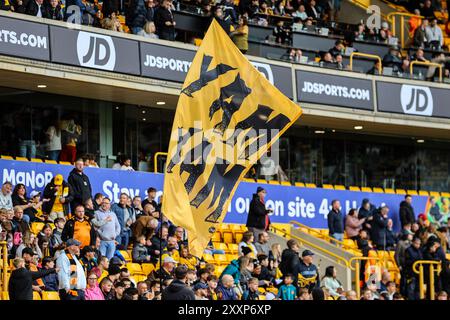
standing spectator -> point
(290, 259)
(280, 32)
(262, 245)
(59, 195)
(136, 16)
(435, 213)
(287, 290)
(178, 290)
(420, 35)
(5, 196)
(137, 206)
(109, 231)
(240, 35)
(36, 8)
(79, 184)
(80, 229)
(336, 221)
(407, 211)
(225, 23)
(434, 36)
(312, 11)
(390, 236)
(413, 254)
(366, 211)
(258, 219)
(88, 259)
(307, 272)
(330, 282)
(21, 280)
(150, 16)
(428, 10)
(165, 24)
(98, 199)
(379, 228)
(151, 196)
(225, 290)
(353, 224)
(400, 257)
(125, 216)
(71, 277)
(53, 133)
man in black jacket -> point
(36, 8)
(136, 16)
(336, 221)
(178, 290)
(413, 254)
(307, 272)
(379, 228)
(407, 211)
(165, 24)
(258, 220)
(21, 281)
(290, 258)
(79, 185)
(366, 211)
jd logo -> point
(416, 100)
(96, 51)
(264, 69)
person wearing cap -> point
(88, 259)
(79, 184)
(71, 276)
(258, 219)
(31, 260)
(21, 280)
(36, 205)
(307, 272)
(165, 272)
(178, 290)
(201, 291)
(79, 228)
(50, 280)
(58, 195)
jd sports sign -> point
(93, 50)
(413, 99)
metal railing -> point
(324, 236)
(366, 55)
(357, 269)
(338, 258)
(425, 63)
(155, 160)
(420, 272)
(391, 18)
(4, 266)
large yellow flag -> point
(227, 117)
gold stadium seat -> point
(21, 159)
(36, 295)
(445, 194)
(65, 163)
(223, 227)
(238, 237)
(262, 297)
(50, 295)
(219, 269)
(378, 190)
(5, 295)
(36, 160)
(221, 246)
(139, 277)
(350, 243)
(125, 255)
(390, 191)
(216, 237)
(339, 187)
(274, 182)
(412, 192)
(147, 268)
(310, 185)
(327, 186)
(261, 181)
(285, 183)
(434, 194)
(366, 189)
(299, 184)
(228, 237)
(233, 248)
(220, 259)
(354, 188)
(7, 157)
(400, 191)
(50, 161)
(134, 268)
(36, 227)
(231, 257)
(208, 258)
(423, 193)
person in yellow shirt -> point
(240, 35)
(187, 259)
(56, 198)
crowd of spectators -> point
(78, 251)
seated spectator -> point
(140, 253)
(20, 200)
(281, 33)
(54, 11)
(442, 295)
(36, 8)
(307, 272)
(428, 10)
(330, 282)
(44, 239)
(88, 260)
(287, 291)
(164, 21)
(93, 291)
(360, 33)
(178, 290)
(106, 287)
(225, 290)
(30, 241)
(56, 242)
(251, 293)
(339, 62)
(148, 32)
(393, 59)
(312, 11)
(265, 9)
(136, 16)
(188, 259)
(165, 272)
(434, 36)
(262, 245)
(50, 280)
(247, 241)
(418, 56)
(327, 61)
(212, 287)
(145, 226)
(420, 35)
(300, 12)
(297, 25)
(112, 24)
(6, 201)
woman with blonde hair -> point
(149, 30)
(29, 241)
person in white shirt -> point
(53, 146)
(5, 196)
(126, 165)
(300, 13)
(434, 36)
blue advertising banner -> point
(305, 205)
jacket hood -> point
(176, 286)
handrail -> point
(4, 266)
(391, 18)
(420, 272)
(426, 63)
(341, 243)
(357, 269)
(155, 160)
(371, 56)
(337, 257)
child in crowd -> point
(287, 290)
(252, 292)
